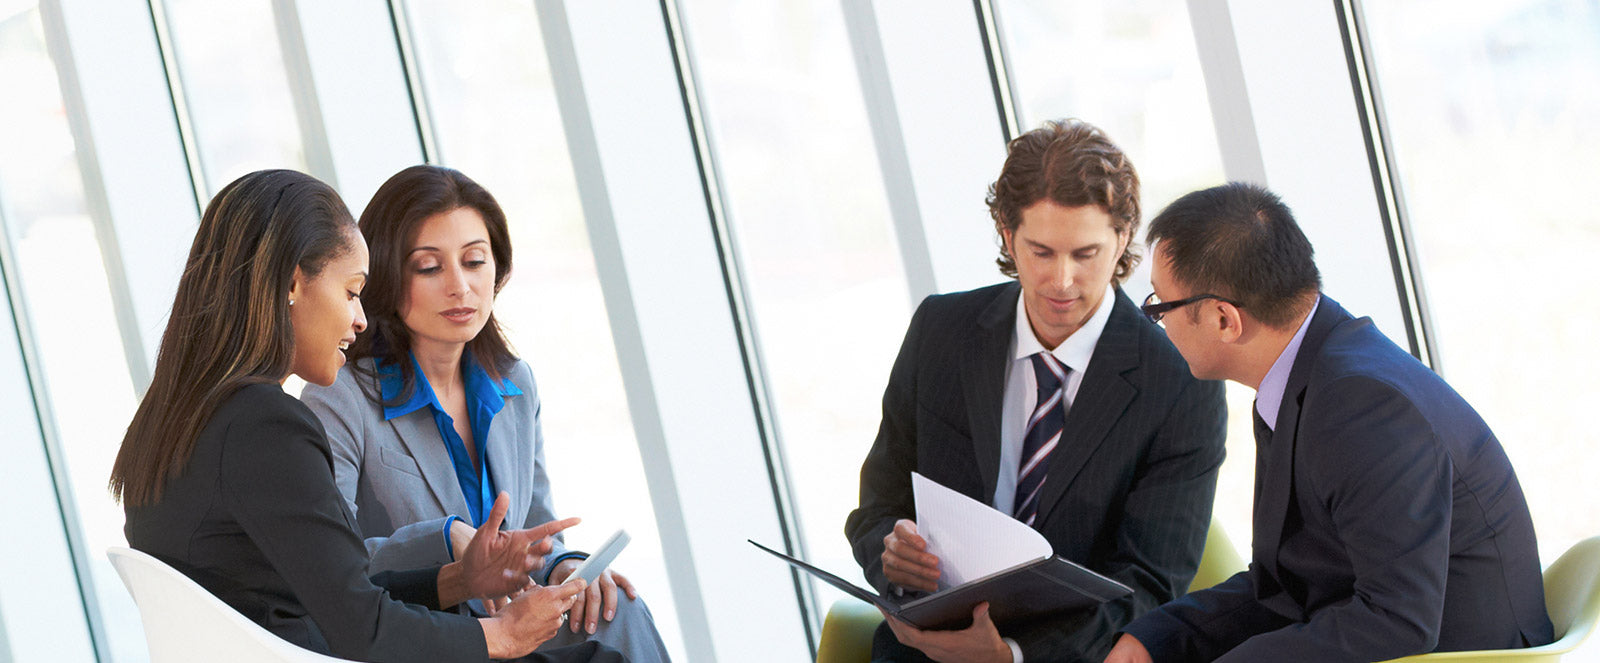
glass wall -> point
(234, 81)
(807, 209)
(493, 111)
(1491, 109)
(68, 310)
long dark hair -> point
(229, 325)
(390, 223)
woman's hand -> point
(496, 563)
(602, 594)
(530, 620)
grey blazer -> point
(398, 481)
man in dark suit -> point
(1388, 521)
(1052, 399)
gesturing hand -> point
(497, 563)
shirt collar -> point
(479, 387)
(1078, 348)
(1269, 396)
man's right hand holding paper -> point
(906, 560)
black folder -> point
(1042, 586)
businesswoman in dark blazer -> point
(228, 479)
(435, 414)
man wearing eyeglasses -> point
(1051, 398)
(1388, 520)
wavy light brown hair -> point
(229, 325)
(390, 223)
(1071, 163)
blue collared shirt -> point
(485, 398)
(1269, 396)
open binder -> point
(1041, 586)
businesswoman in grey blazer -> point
(230, 480)
(435, 415)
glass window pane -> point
(1491, 110)
(68, 302)
(233, 77)
(807, 206)
(493, 106)
(1132, 69)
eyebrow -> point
(435, 248)
(1037, 245)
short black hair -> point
(1240, 241)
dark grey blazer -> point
(1388, 522)
(256, 519)
(1130, 485)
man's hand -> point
(1128, 650)
(496, 563)
(978, 643)
(602, 594)
(906, 560)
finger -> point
(591, 608)
(569, 589)
(625, 585)
(491, 606)
(532, 535)
(911, 567)
(575, 613)
(980, 617)
(543, 546)
(908, 533)
(912, 554)
(497, 515)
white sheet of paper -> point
(970, 538)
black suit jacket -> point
(1388, 522)
(1130, 484)
(256, 519)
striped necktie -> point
(1044, 431)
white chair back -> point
(184, 623)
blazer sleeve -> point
(541, 505)
(1165, 516)
(1204, 625)
(1372, 461)
(277, 481)
(349, 417)
(886, 494)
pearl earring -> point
(291, 302)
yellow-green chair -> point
(847, 631)
(1571, 595)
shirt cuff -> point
(1016, 650)
(550, 566)
(449, 549)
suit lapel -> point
(1102, 396)
(505, 459)
(983, 375)
(1272, 504)
(419, 434)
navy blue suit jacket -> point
(1130, 484)
(1388, 522)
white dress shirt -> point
(1022, 395)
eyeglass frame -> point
(1155, 312)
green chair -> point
(1571, 595)
(847, 631)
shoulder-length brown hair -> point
(391, 223)
(229, 325)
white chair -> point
(183, 622)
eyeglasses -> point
(1155, 309)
